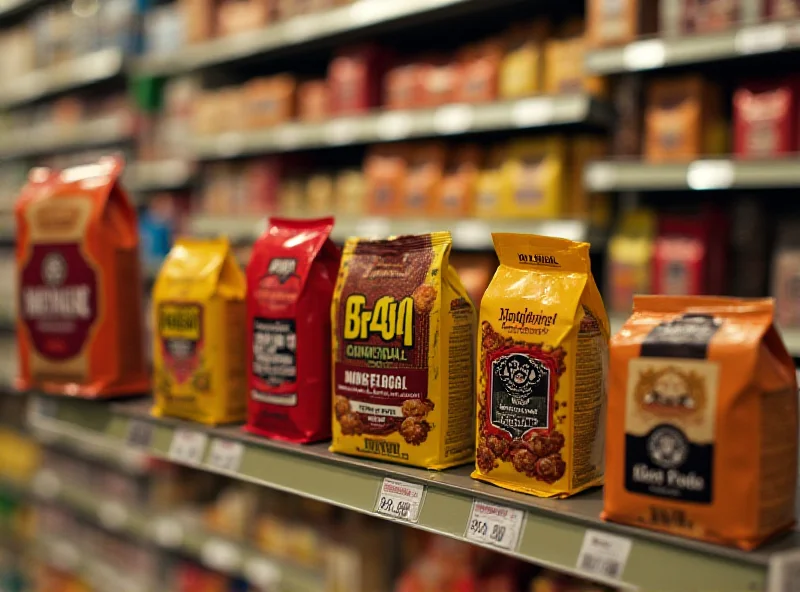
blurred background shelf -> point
(468, 234)
(711, 173)
(307, 31)
(541, 112)
(50, 139)
(158, 175)
(656, 53)
(553, 531)
(75, 73)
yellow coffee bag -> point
(403, 353)
(543, 351)
(199, 320)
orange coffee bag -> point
(702, 421)
(80, 322)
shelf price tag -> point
(399, 499)
(167, 532)
(783, 574)
(225, 455)
(604, 554)
(761, 39)
(262, 573)
(498, 526)
(453, 119)
(644, 55)
(112, 514)
(221, 555)
(710, 174)
(394, 126)
(140, 434)
(187, 446)
(532, 112)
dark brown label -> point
(383, 325)
(58, 299)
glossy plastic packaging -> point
(290, 280)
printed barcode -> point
(602, 565)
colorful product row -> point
(377, 346)
(615, 22)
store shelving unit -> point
(158, 175)
(305, 31)
(536, 112)
(467, 234)
(553, 530)
(82, 71)
(52, 139)
(171, 532)
(711, 173)
(651, 54)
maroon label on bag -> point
(58, 299)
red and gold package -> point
(480, 68)
(403, 87)
(80, 323)
(765, 119)
(702, 421)
(268, 101)
(290, 280)
(403, 334)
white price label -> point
(644, 55)
(600, 176)
(761, 39)
(300, 28)
(783, 574)
(710, 174)
(230, 144)
(225, 455)
(401, 500)
(167, 532)
(187, 446)
(604, 554)
(140, 434)
(341, 132)
(394, 126)
(532, 112)
(221, 555)
(453, 119)
(112, 514)
(263, 574)
(287, 136)
(499, 526)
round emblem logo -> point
(54, 269)
(667, 447)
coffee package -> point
(702, 421)
(543, 354)
(198, 319)
(403, 343)
(80, 325)
(290, 280)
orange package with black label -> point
(702, 421)
(80, 312)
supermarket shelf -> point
(791, 337)
(65, 556)
(171, 532)
(178, 534)
(304, 31)
(11, 7)
(651, 54)
(51, 139)
(553, 530)
(158, 175)
(468, 234)
(83, 71)
(449, 120)
(712, 173)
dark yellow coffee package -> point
(199, 318)
(543, 354)
(702, 421)
(403, 353)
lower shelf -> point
(553, 531)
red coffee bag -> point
(290, 281)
